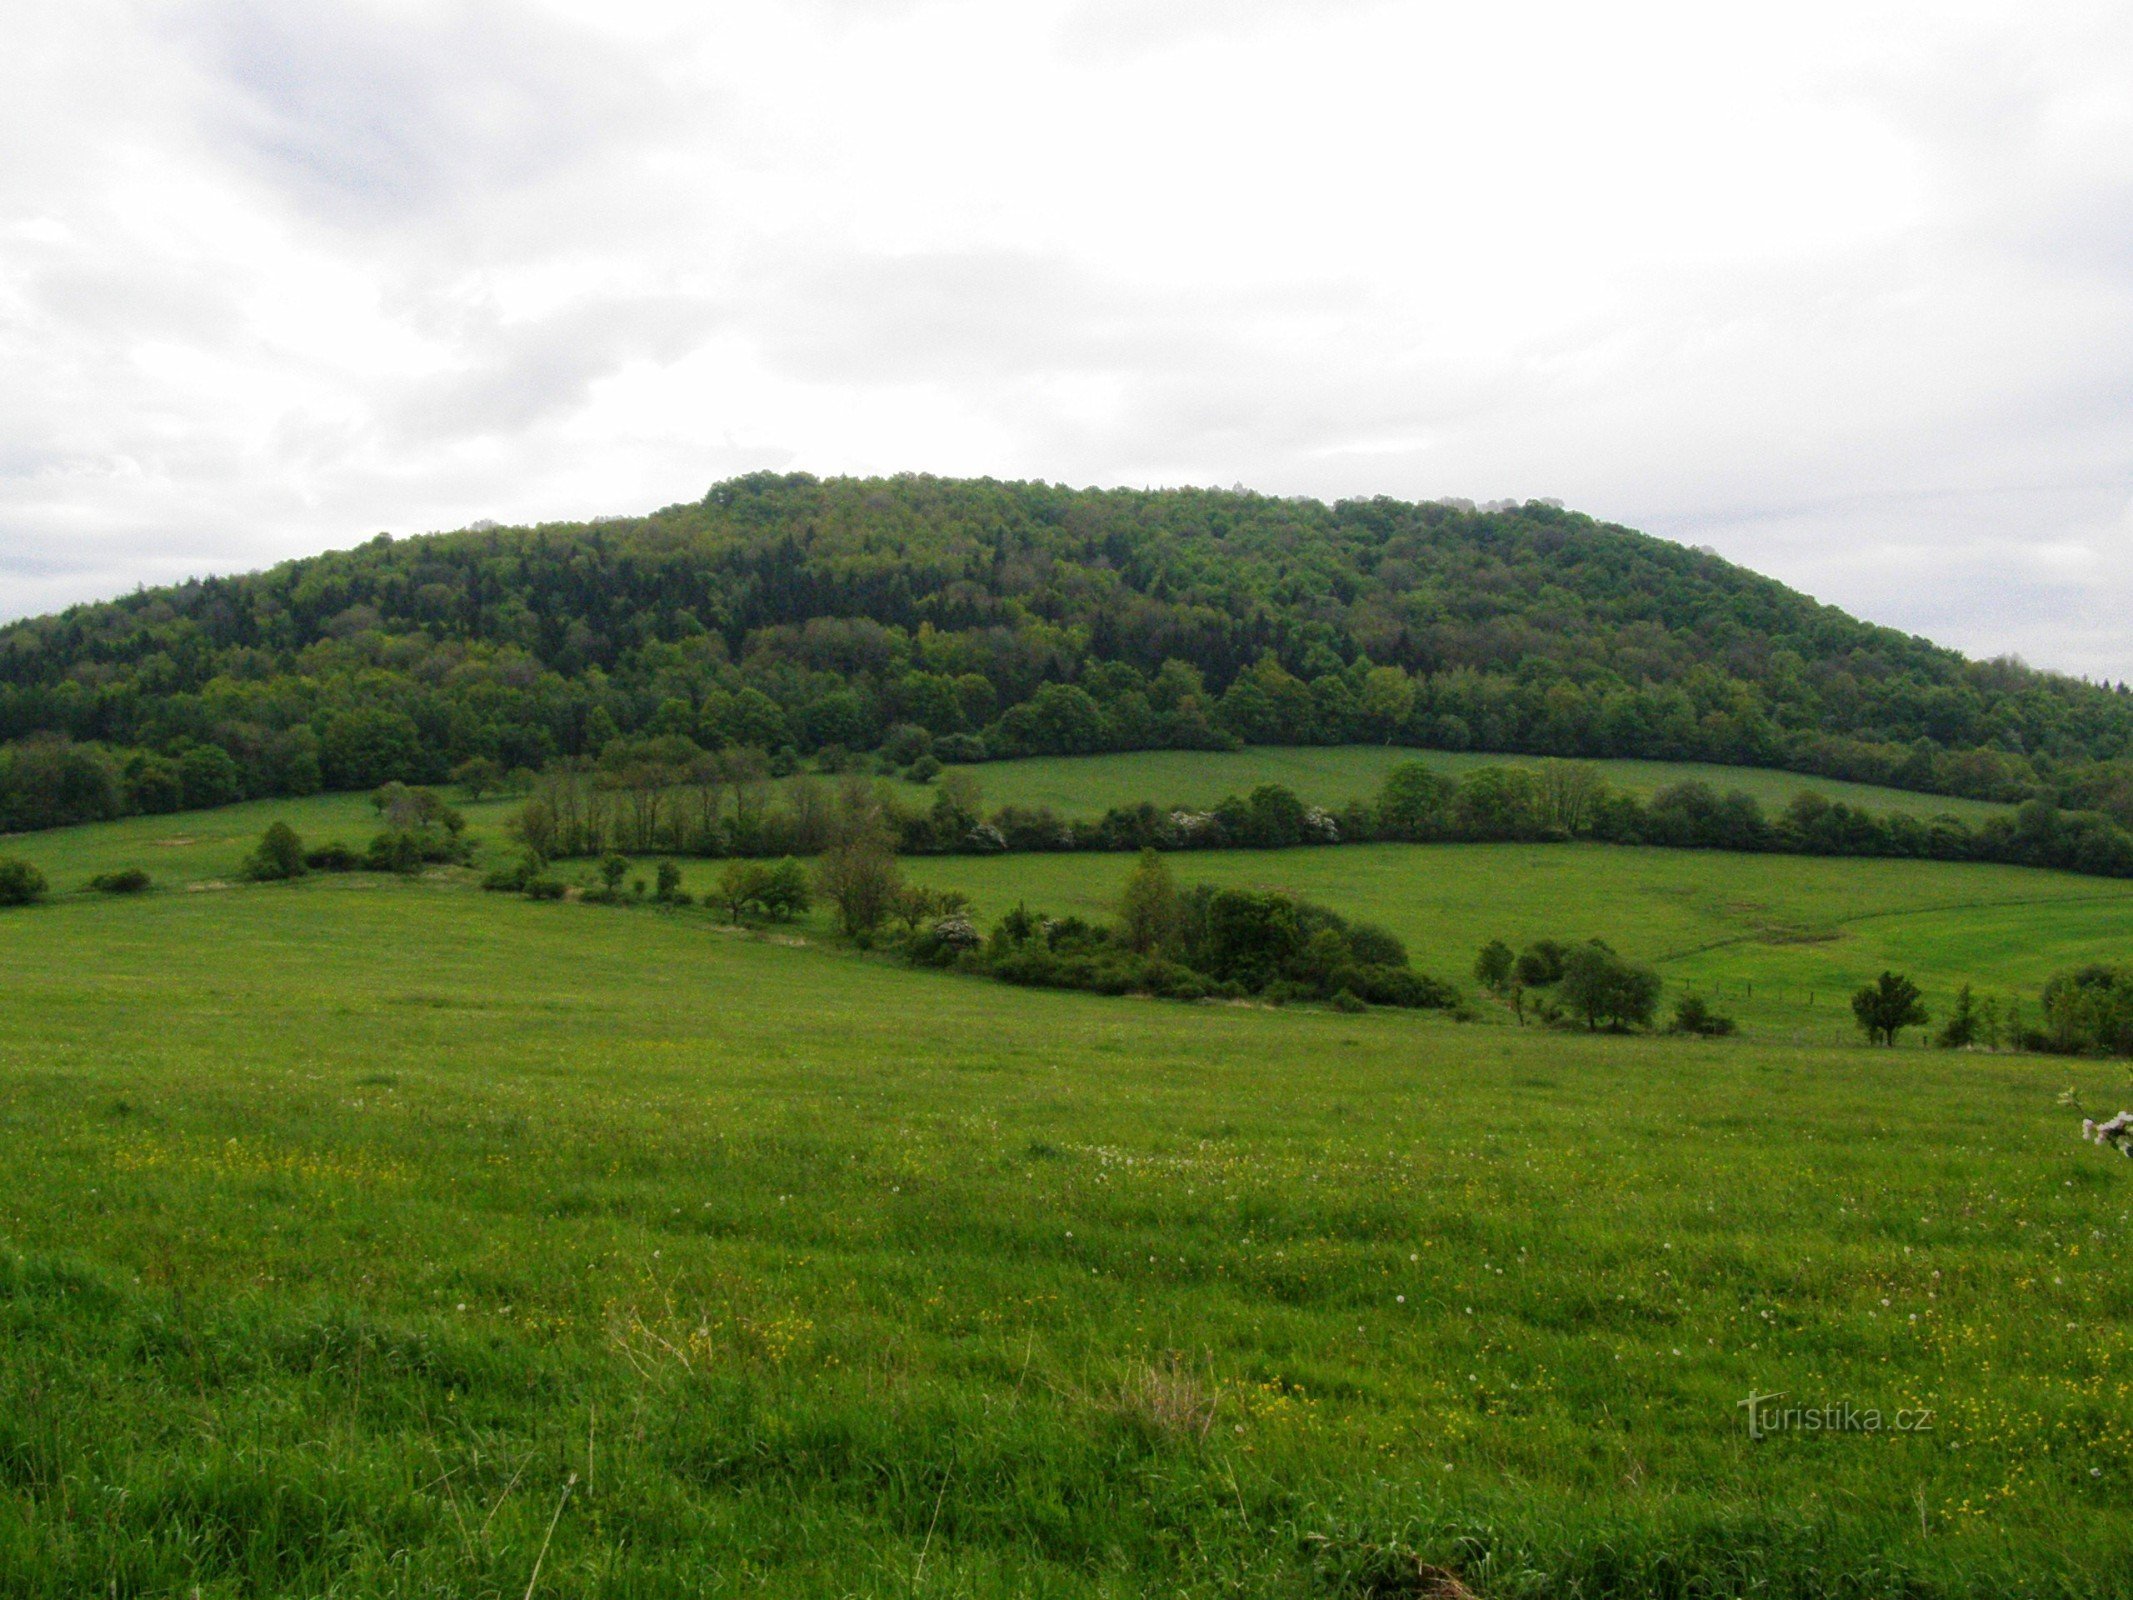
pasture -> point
(369, 1235)
(1781, 941)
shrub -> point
(20, 883)
(925, 769)
(2088, 1012)
(669, 891)
(1231, 943)
(279, 855)
(127, 880)
(1961, 1029)
(1693, 1014)
(514, 878)
(333, 856)
(543, 889)
(395, 850)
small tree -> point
(1148, 906)
(613, 869)
(1966, 1027)
(478, 776)
(1602, 988)
(20, 883)
(669, 889)
(1887, 1006)
(741, 886)
(1493, 967)
(280, 854)
(913, 903)
(860, 878)
(1540, 964)
(1693, 1014)
(786, 892)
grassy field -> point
(371, 1236)
(1779, 940)
(1082, 786)
(1782, 941)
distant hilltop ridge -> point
(1001, 619)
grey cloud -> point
(368, 116)
(515, 374)
(942, 316)
(1099, 30)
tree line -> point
(994, 620)
(732, 804)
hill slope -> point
(1009, 619)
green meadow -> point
(1781, 941)
(1086, 786)
(381, 1236)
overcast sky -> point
(1843, 290)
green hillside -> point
(380, 1236)
(975, 620)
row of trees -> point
(731, 804)
(1585, 983)
(994, 620)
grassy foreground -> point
(383, 1237)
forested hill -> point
(998, 619)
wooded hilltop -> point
(795, 615)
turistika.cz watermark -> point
(1767, 1415)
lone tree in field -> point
(1888, 1005)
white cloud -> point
(1842, 289)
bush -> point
(127, 880)
(395, 850)
(20, 883)
(924, 770)
(1227, 943)
(333, 856)
(1693, 1014)
(543, 889)
(514, 878)
(279, 855)
(2087, 1012)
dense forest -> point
(976, 619)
